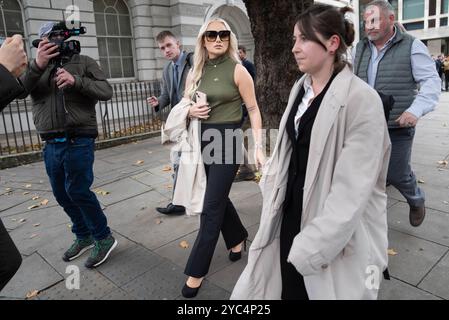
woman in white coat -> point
(323, 229)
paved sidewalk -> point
(149, 260)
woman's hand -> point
(259, 157)
(199, 110)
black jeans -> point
(10, 258)
(219, 213)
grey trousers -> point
(175, 158)
(400, 174)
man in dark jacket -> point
(64, 90)
(13, 62)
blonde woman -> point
(223, 84)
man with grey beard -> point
(396, 64)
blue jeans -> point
(69, 166)
(400, 173)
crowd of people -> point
(324, 211)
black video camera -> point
(58, 34)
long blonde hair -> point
(201, 56)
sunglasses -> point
(211, 36)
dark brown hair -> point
(243, 48)
(327, 21)
(164, 34)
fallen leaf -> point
(184, 244)
(158, 221)
(391, 252)
(445, 202)
(13, 219)
(36, 225)
(25, 193)
(8, 189)
(32, 294)
(169, 186)
(139, 162)
(443, 162)
(420, 181)
(101, 192)
(150, 152)
(28, 186)
(34, 235)
(34, 206)
(41, 181)
(44, 202)
(22, 220)
(35, 198)
(166, 168)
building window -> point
(413, 9)
(114, 38)
(414, 26)
(444, 6)
(11, 19)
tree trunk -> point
(272, 24)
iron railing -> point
(126, 114)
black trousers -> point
(293, 286)
(219, 214)
(10, 258)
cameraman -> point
(12, 63)
(65, 88)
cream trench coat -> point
(191, 181)
(342, 248)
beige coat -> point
(342, 248)
(191, 181)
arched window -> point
(11, 18)
(114, 38)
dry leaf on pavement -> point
(139, 162)
(28, 186)
(158, 221)
(34, 235)
(35, 197)
(443, 162)
(34, 206)
(101, 192)
(420, 181)
(166, 168)
(32, 294)
(44, 202)
(445, 202)
(36, 225)
(22, 220)
(8, 189)
(25, 193)
(391, 252)
(184, 244)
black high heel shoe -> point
(188, 292)
(235, 256)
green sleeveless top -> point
(222, 93)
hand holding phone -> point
(200, 109)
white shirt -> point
(305, 102)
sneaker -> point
(101, 252)
(78, 247)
